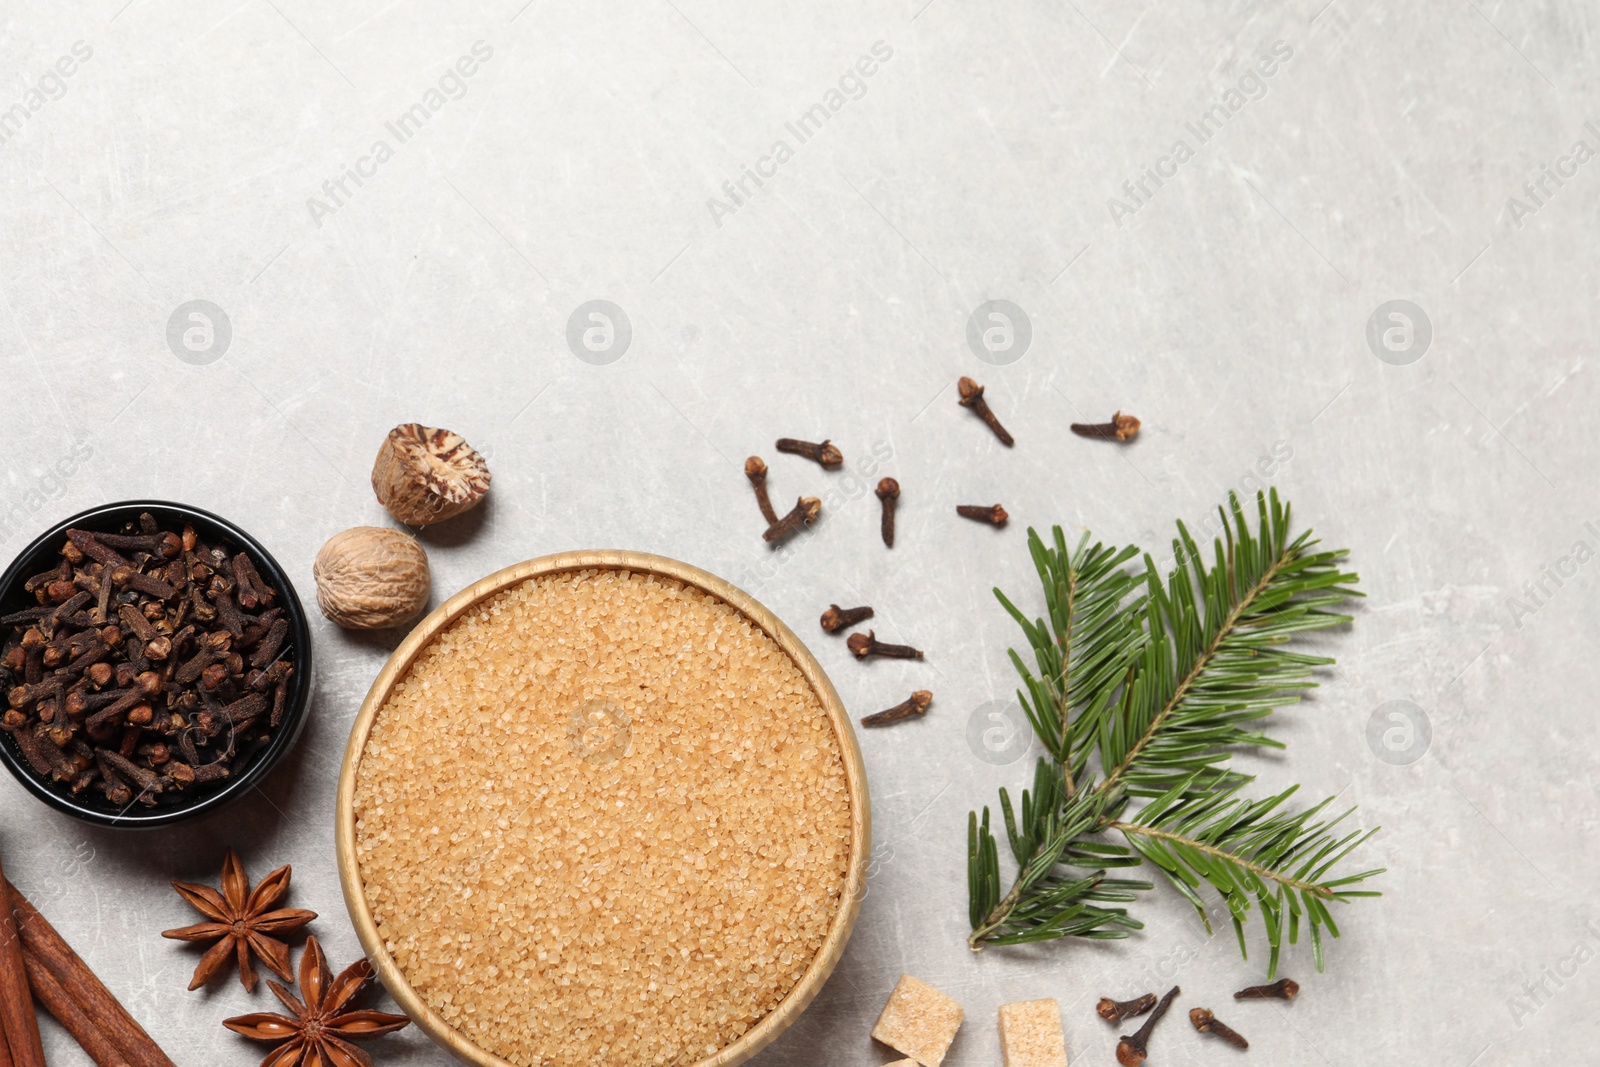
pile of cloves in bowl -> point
(152, 663)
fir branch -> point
(1251, 851)
(1058, 891)
(1161, 679)
(1211, 664)
(1087, 645)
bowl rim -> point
(300, 635)
(775, 1022)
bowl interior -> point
(831, 949)
(44, 552)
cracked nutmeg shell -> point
(424, 475)
(370, 578)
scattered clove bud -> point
(837, 618)
(824, 452)
(1114, 1011)
(972, 397)
(888, 492)
(1207, 1023)
(994, 516)
(916, 705)
(755, 468)
(1120, 428)
(804, 514)
(1133, 1049)
(1282, 989)
(867, 644)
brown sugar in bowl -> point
(603, 807)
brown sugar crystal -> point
(604, 818)
(918, 1021)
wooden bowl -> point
(832, 948)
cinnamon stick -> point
(5, 1051)
(17, 1020)
(43, 945)
(73, 1019)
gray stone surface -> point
(1228, 308)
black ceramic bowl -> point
(248, 773)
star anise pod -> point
(320, 1031)
(240, 922)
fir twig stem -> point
(1211, 850)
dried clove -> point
(1120, 428)
(972, 397)
(148, 782)
(1207, 1023)
(804, 514)
(755, 468)
(1282, 989)
(1114, 1011)
(867, 644)
(1132, 1049)
(271, 642)
(822, 452)
(253, 592)
(837, 618)
(995, 516)
(916, 705)
(889, 493)
(165, 545)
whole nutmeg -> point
(369, 578)
(425, 475)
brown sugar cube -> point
(918, 1021)
(902, 1063)
(1030, 1034)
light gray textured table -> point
(1396, 152)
